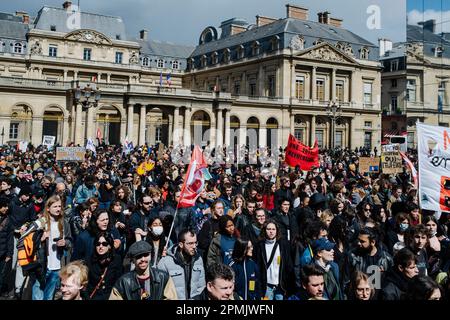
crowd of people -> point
(99, 229)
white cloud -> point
(442, 18)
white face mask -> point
(157, 231)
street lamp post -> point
(334, 112)
(3, 134)
(88, 97)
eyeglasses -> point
(102, 243)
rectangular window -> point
(368, 140)
(340, 91)
(158, 134)
(319, 137)
(443, 124)
(271, 86)
(87, 54)
(119, 57)
(394, 83)
(252, 89)
(237, 88)
(300, 88)
(394, 65)
(52, 51)
(411, 140)
(411, 90)
(13, 130)
(368, 124)
(320, 89)
(338, 139)
(394, 103)
(367, 93)
(52, 28)
(160, 63)
(441, 94)
(298, 134)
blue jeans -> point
(48, 291)
(274, 293)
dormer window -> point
(18, 48)
(275, 43)
(317, 42)
(438, 52)
(364, 53)
(240, 52)
(256, 48)
(203, 61)
(160, 63)
(52, 28)
(146, 62)
(226, 55)
(175, 65)
(191, 64)
(215, 58)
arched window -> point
(18, 48)
(364, 53)
(175, 65)
(203, 60)
(256, 48)
(215, 58)
(240, 52)
(226, 55)
(275, 43)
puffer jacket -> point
(6, 237)
(179, 271)
(394, 285)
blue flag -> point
(160, 79)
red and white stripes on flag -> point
(412, 168)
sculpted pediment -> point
(326, 52)
(89, 36)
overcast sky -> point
(182, 21)
(422, 10)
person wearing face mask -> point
(105, 267)
(157, 240)
(366, 256)
(397, 234)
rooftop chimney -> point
(233, 26)
(25, 17)
(143, 34)
(429, 25)
(262, 20)
(237, 29)
(67, 5)
(326, 17)
(336, 22)
(385, 46)
(296, 12)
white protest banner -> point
(434, 167)
(391, 162)
(391, 147)
(23, 146)
(48, 141)
(70, 153)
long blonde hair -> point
(48, 204)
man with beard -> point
(368, 256)
(86, 190)
(185, 266)
(144, 282)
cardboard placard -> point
(48, 141)
(370, 165)
(70, 153)
(391, 162)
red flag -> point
(411, 167)
(299, 154)
(195, 178)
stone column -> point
(292, 124)
(90, 123)
(262, 135)
(353, 87)
(244, 84)
(313, 130)
(242, 135)
(293, 94)
(130, 123)
(65, 75)
(219, 131)
(108, 78)
(142, 123)
(261, 81)
(170, 119)
(187, 127)
(65, 132)
(333, 85)
(313, 84)
(78, 125)
(36, 135)
(227, 127)
(123, 129)
(176, 123)
(212, 130)
(352, 129)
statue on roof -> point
(36, 48)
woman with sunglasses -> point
(105, 267)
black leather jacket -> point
(129, 289)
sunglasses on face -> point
(102, 243)
(147, 203)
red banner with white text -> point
(298, 154)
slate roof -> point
(13, 30)
(157, 48)
(290, 26)
(398, 51)
(108, 25)
(430, 40)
